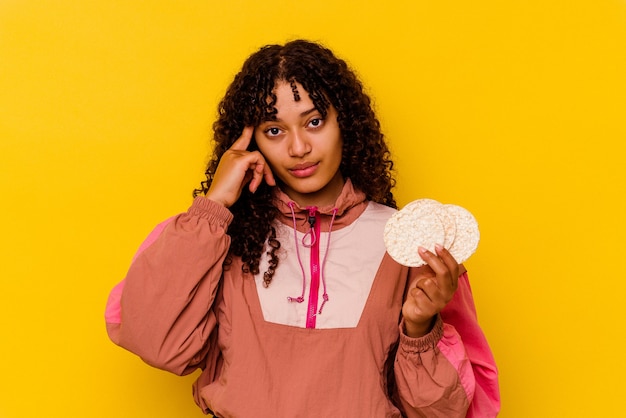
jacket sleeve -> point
(461, 314)
(449, 372)
(163, 309)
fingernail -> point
(438, 247)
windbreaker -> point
(324, 339)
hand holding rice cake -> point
(425, 223)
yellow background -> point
(513, 109)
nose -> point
(299, 145)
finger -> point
(242, 143)
(428, 287)
(268, 175)
(441, 262)
(420, 304)
(260, 171)
(433, 261)
(450, 262)
(446, 257)
(446, 271)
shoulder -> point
(375, 215)
(378, 210)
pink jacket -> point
(339, 352)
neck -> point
(324, 197)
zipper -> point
(314, 222)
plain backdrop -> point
(514, 110)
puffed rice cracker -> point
(467, 233)
(416, 225)
(426, 222)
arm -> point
(163, 310)
(449, 372)
(433, 375)
(461, 313)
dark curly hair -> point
(250, 100)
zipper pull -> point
(311, 233)
(311, 219)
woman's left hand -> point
(430, 291)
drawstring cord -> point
(311, 220)
(300, 298)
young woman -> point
(276, 282)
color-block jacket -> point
(324, 339)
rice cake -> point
(425, 223)
(416, 225)
(467, 233)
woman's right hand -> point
(238, 167)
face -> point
(303, 148)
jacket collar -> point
(350, 204)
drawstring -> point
(311, 233)
(311, 220)
(300, 298)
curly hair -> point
(250, 100)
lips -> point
(304, 169)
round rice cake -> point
(418, 224)
(467, 233)
(448, 221)
(439, 210)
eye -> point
(272, 131)
(316, 122)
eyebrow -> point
(303, 114)
(307, 112)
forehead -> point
(289, 100)
(292, 105)
(290, 92)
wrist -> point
(424, 343)
(418, 329)
(216, 199)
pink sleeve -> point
(162, 311)
(433, 374)
(461, 314)
(113, 312)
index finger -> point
(451, 263)
(441, 262)
(447, 258)
(242, 143)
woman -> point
(276, 282)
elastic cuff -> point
(421, 344)
(211, 211)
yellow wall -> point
(515, 110)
